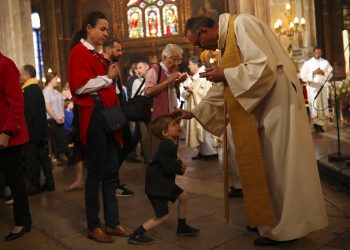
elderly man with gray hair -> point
(162, 83)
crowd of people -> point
(252, 96)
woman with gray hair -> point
(162, 83)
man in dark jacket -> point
(36, 150)
(13, 133)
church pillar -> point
(16, 39)
(247, 6)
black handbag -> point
(114, 118)
(139, 107)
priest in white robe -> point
(195, 89)
(316, 72)
(265, 85)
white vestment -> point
(266, 84)
(318, 108)
(196, 136)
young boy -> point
(160, 184)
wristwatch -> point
(7, 132)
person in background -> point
(92, 83)
(113, 52)
(165, 91)
(54, 102)
(142, 68)
(195, 89)
(13, 134)
(68, 119)
(316, 72)
(36, 151)
(133, 75)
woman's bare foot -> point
(74, 186)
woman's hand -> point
(4, 140)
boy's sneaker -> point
(186, 230)
(140, 239)
(8, 200)
(122, 191)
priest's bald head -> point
(202, 32)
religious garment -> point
(196, 136)
(318, 107)
(266, 86)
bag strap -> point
(159, 72)
(144, 79)
(138, 90)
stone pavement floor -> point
(59, 217)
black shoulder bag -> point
(139, 107)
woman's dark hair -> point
(49, 77)
(195, 23)
(91, 19)
(196, 60)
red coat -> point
(11, 103)
(83, 66)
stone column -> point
(16, 39)
(262, 11)
(247, 6)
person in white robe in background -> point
(317, 72)
(195, 89)
(266, 85)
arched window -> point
(39, 64)
(152, 18)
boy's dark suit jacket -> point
(161, 172)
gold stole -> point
(247, 146)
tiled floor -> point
(59, 218)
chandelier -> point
(292, 26)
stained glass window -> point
(135, 23)
(152, 18)
(152, 22)
(170, 22)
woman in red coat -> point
(92, 84)
(13, 133)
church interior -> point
(40, 33)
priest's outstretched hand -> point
(182, 114)
(215, 74)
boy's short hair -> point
(159, 124)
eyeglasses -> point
(175, 60)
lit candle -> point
(291, 25)
(302, 21)
(43, 79)
(288, 7)
(296, 20)
(49, 70)
(276, 25)
(279, 21)
(58, 79)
